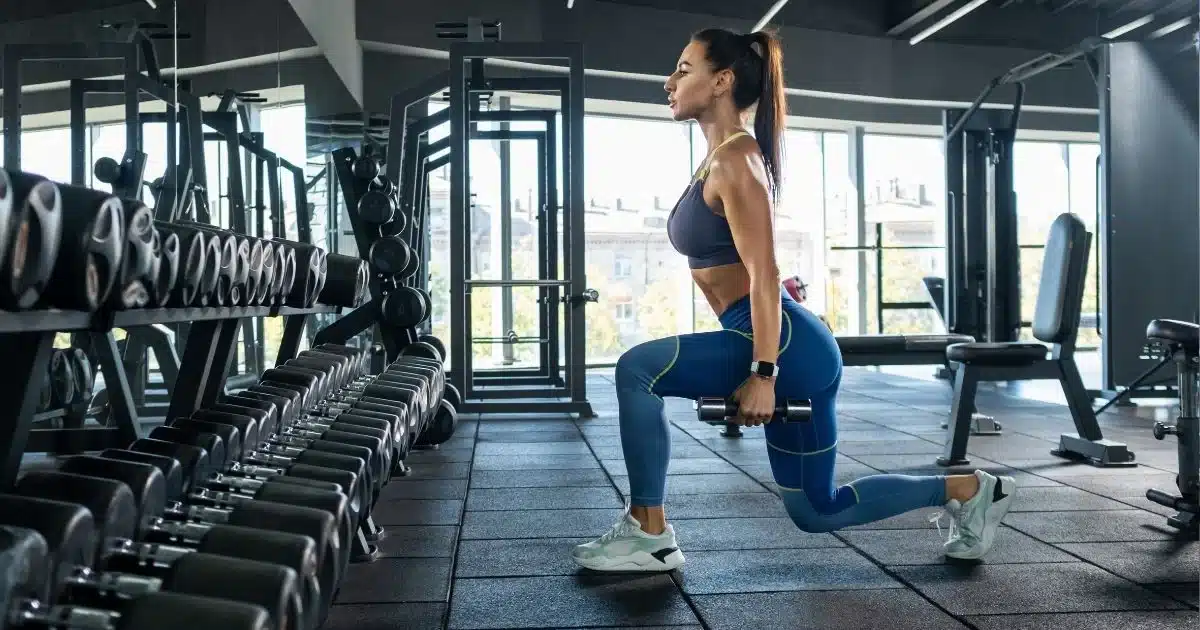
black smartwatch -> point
(765, 369)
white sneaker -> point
(974, 524)
(627, 548)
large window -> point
(1082, 173)
(1041, 185)
(877, 261)
(635, 171)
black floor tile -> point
(678, 451)
(915, 519)
(535, 462)
(562, 478)
(755, 570)
(385, 617)
(1186, 592)
(538, 524)
(491, 499)
(1141, 620)
(439, 456)
(408, 488)
(729, 534)
(517, 558)
(545, 437)
(824, 610)
(701, 484)
(761, 504)
(396, 580)
(1060, 499)
(568, 602)
(1106, 526)
(418, 541)
(690, 466)
(498, 424)
(905, 447)
(438, 471)
(578, 447)
(990, 589)
(418, 512)
(1144, 562)
(907, 547)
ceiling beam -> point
(922, 14)
(766, 18)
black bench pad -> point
(1185, 334)
(1012, 353)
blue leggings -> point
(802, 454)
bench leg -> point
(1088, 443)
(966, 384)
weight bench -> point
(865, 350)
(1055, 326)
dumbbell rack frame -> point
(27, 338)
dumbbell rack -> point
(27, 338)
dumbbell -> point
(222, 443)
(442, 427)
(310, 269)
(285, 272)
(395, 391)
(69, 521)
(137, 269)
(240, 425)
(328, 545)
(62, 378)
(195, 277)
(166, 253)
(282, 507)
(150, 612)
(194, 461)
(342, 438)
(30, 232)
(436, 344)
(255, 258)
(93, 242)
(717, 411)
(165, 540)
(232, 259)
(269, 269)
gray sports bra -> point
(695, 230)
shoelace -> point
(936, 519)
(618, 529)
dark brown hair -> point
(757, 78)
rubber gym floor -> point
(479, 534)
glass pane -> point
(1043, 193)
(47, 153)
(904, 180)
(1082, 174)
(635, 171)
(838, 296)
(284, 133)
(800, 216)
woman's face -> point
(693, 86)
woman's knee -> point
(638, 366)
(805, 515)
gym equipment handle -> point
(1175, 503)
(717, 410)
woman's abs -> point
(722, 285)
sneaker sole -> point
(991, 523)
(640, 562)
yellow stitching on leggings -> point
(784, 450)
(785, 488)
(855, 491)
(787, 340)
(671, 364)
(744, 334)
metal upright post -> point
(506, 245)
(460, 207)
(574, 151)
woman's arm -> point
(743, 189)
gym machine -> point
(1179, 343)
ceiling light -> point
(1171, 28)
(1132, 26)
(947, 21)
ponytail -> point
(757, 64)
(771, 114)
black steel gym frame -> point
(28, 336)
(482, 395)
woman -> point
(770, 347)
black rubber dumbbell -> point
(45, 499)
(150, 612)
(151, 492)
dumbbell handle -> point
(717, 410)
(1174, 502)
(30, 613)
(1162, 430)
(84, 582)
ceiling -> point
(1035, 24)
